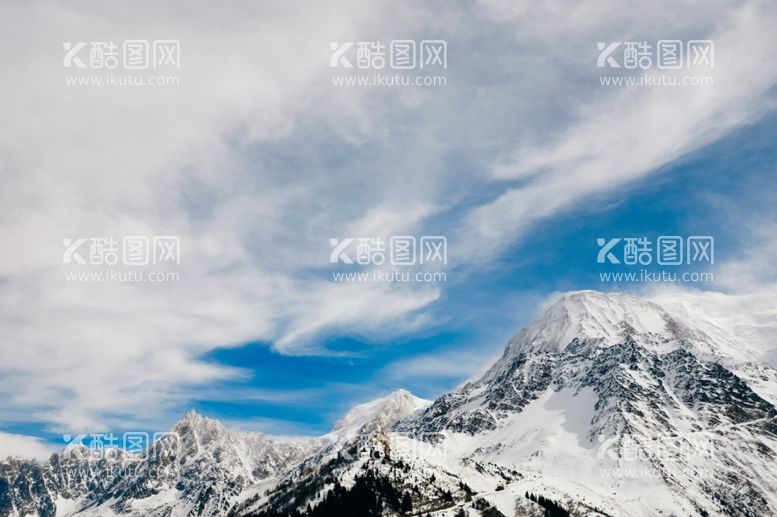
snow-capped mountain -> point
(614, 394)
(199, 468)
(607, 404)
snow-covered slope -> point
(747, 323)
(748, 320)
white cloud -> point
(21, 446)
(628, 133)
(754, 269)
(450, 364)
(81, 162)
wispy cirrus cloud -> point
(626, 134)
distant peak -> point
(193, 416)
(401, 393)
(381, 412)
(192, 420)
(404, 395)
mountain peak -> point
(193, 417)
(195, 428)
(382, 412)
(592, 315)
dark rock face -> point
(23, 489)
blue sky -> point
(257, 158)
(702, 194)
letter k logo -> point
(338, 54)
(605, 56)
(605, 253)
(71, 54)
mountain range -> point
(607, 404)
